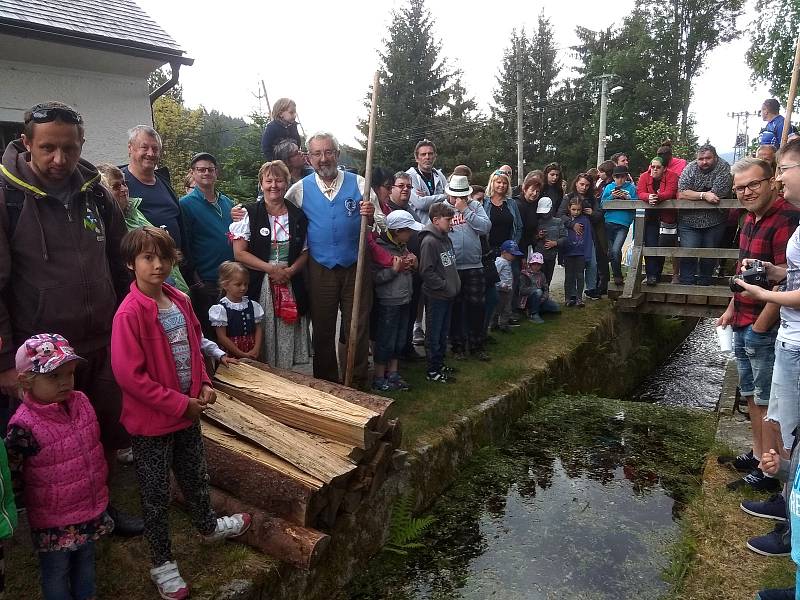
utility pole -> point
(601, 130)
(742, 140)
(520, 158)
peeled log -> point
(301, 451)
(378, 404)
(260, 478)
(300, 406)
(299, 546)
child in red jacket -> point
(156, 358)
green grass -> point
(430, 406)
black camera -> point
(755, 275)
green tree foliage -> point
(684, 32)
(179, 128)
(648, 138)
(535, 60)
(773, 35)
(419, 97)
(242, 160)
(159, 77)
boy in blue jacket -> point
(618, 222)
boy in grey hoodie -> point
(440, 284)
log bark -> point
(298, 406)
(260, 478)
(304, 453)
(299, 546)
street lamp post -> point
(601, 130)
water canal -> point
(581, 502)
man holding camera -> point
(767, 227)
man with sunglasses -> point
(765, 232)
(60, 267)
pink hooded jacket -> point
(65, 482)
(143, 365)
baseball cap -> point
(620, 170)
(536, 257)
(511, 247)
(401, 219)
(203, 156)
(544, 206)
(43, 353)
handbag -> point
(487, 259)
(284, 303)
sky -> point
(323, 54)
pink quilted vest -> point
(65, 483)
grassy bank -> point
(711, 561)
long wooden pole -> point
(352, 338)
(787, 122)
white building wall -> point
(110, 103)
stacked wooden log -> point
(297, 452)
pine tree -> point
(415, 88)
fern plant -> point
(404, 528)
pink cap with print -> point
(43, 353)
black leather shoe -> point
(125, 525)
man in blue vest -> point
(332, 201)
(773, 130)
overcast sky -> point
(323, 54)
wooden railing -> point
(671, 298)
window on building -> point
(9, 132)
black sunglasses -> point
(47, 114)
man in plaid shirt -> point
(767, 227)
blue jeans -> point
(784, 404)
(390, 333)
(437, 324)
(538, 306)
(653, 265)
(708, 237)
(68, 574)
(590, 278)
(616, 235)
(755, 355)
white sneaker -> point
(229, 527)
(125, 456)
(169, 582)
(418, 337)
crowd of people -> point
(120, 295)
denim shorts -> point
(784, 407)
(755, 355)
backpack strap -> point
(13, 199)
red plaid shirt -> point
(765, 239)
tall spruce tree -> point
(416, 86)
(773, 35)
(684, 33)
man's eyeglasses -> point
(402, 186)
(205, 169)
(753, 186)
(783, 168)
(41, 113)
(320, 153)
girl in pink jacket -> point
(155, 355)
(54, 451)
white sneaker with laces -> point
(169, 582)
(229, 527)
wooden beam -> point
(679, 310)
(693, 290)
(672, 205)
(691, 252)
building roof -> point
(114, 25)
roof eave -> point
(53, 34)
